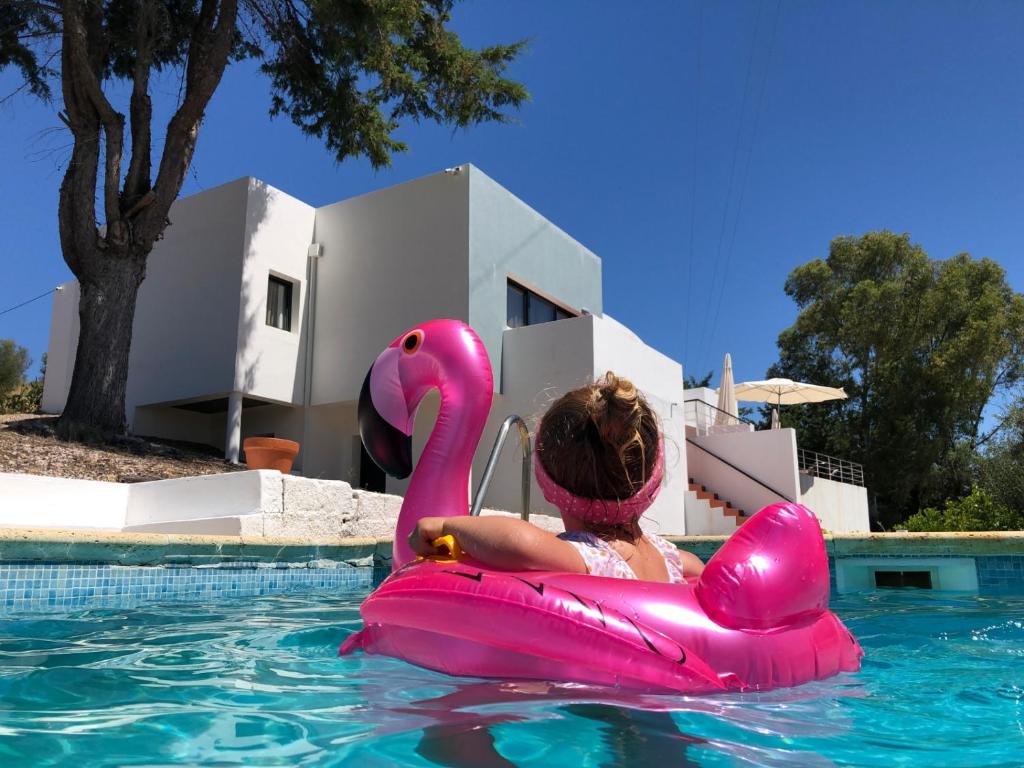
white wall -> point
(278, 231)
(33, 501)
(542, 362)
(391, 259)
(507, 238)
(208, 496)
(185, 334)
(839, 506)
(769, 456)
(60, 354)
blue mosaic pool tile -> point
(32, 587)
(1000, 573)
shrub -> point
(977, 511)
(25, 399)
(14, 361)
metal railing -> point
(492, 463)
(746, 474)
(829, 467)
(703, 416)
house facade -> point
(260, 315)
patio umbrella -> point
(776, 424)
(728, 412)
(786, 392)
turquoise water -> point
(257, 682)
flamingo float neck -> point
(450, 358)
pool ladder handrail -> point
(492, 463)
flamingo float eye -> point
(412, 342)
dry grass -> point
(28, 445)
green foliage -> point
(920, 345)
(1000, 470)
(977, 511)
(14, 361)
(692, 382)
(25, 399)
(344, 71)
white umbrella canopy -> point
(786, 392)
(728, 412)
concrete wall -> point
(507, 238)
(542, 362)
(180, 424)
(60, 354)
(769, 456)
(185, 335)
(840, 507)
(55, 502)
(391, 259)
(278, 231)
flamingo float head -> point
(439, 354)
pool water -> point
(257, 682)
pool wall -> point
(47, 570)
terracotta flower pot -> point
(270, 453)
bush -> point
(14, 361)
(977, 511)
(25, 399)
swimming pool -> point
(255, 681)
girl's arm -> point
(500, 542)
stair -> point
(717, 503)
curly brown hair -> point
(600, 441)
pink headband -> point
(602, 511)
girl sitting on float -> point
(600, 459)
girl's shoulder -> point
(583, 537)
(598, 555)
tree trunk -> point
(106, 309)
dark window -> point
(898, 579)
(515, 314)
(540, 310)
(279, 303)
(524, 307)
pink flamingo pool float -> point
(756, 619)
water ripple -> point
(258, 682)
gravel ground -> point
(28, 445)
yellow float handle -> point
(449, 543)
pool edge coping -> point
(104, 546)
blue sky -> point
(814, 120)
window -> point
(279, 303)
(524, 307)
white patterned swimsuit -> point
(602, 560)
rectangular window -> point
(515, 314)
(540, 310)
(279, 303)
(525, 307)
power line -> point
(693, 178)
(36, 298)
(732, 176)
(746, 169)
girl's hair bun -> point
(616, 412)
(600, 441)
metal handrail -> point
(829, 467)
(745, 474)
(710, 412)
(492, 462)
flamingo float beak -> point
(385, 421)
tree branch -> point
(138, 181)
(81, 54)
(208, 54)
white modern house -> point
(260, 315)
